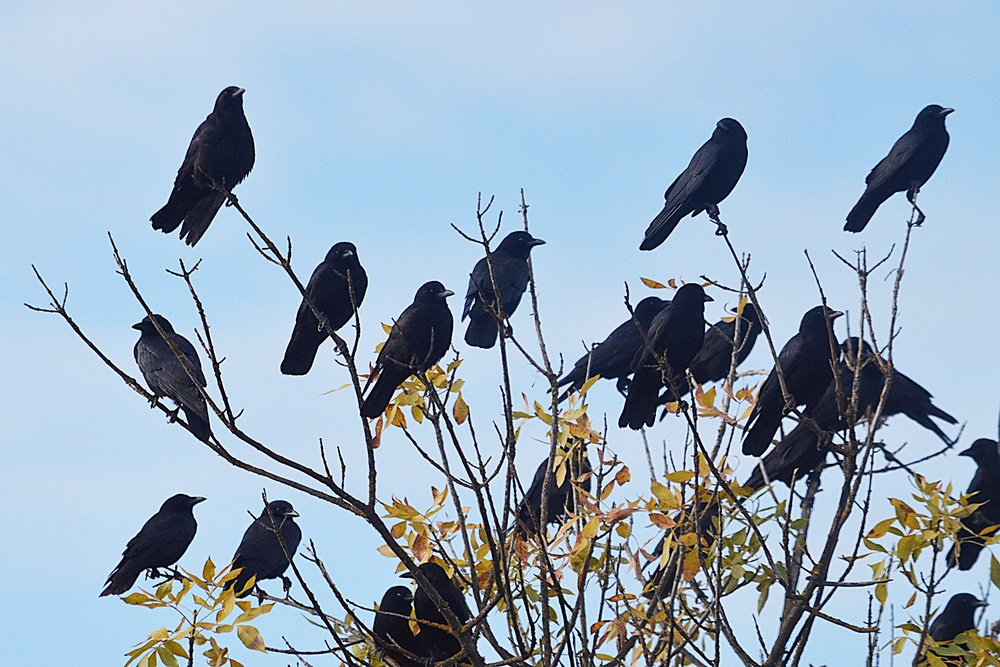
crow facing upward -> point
(392, 626)
(561, 499)
(438, 644)
(675, 335)
(220, 156)
(985, 491)
(160, 542)
(709, 178)
(807, 370)
(337, 287)
(959, 616)
(510, 273)
(612, 357)
(417, 341)
(801, 450)
(260, 553)
(909, 165)
(166, 376)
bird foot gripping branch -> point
(713, 215)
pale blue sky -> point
(379, 124)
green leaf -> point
(995, 571)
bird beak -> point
(967, 452)
(407, 575)
(239, 91)
(835, 314)
(534, 242)
(945, 112)
(292, 513)
(196, 500)
(137, 326)
(981, 603)
(445, 294)
(708, 298)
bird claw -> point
(713, 215)
(286, 583)
(172, 415)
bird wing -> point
(902, 151)
(158, 540)
(479, 281)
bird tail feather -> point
(198, 219)
(863, 211)
(660, 228)
(482, 332)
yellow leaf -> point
(418, 414)
(386, 551)
(250, 638)
(679, 476)
(623, 476)
(228, 603)
(460, 410)
(707, 398)
(251, 614)
(421, 548)
(135, 598)
(386, 328)
(652, 284)
(590, 530)
(209, 570)
(166, 657)
(588, 384)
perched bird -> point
(712, 174)
(561, 498)
(675, 335)
(985, 491)
(510, 273)
(909, 165)
(438, 644)
(392, 626)
(220, 156)
(802, 450)
(417, 341)
(807, 370)
(959, 616)
(337, 287)
(712, 363)
(697, 519)
(161, 542)
(166, 375)
(260, 553)
(612, 357)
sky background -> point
(379, 123)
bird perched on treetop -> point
(392, 626)
(959, 616)
(675, 336)
(337, 287)
(260, 553)
(510, 274)
(160, 542)
(909, 165)
(807, 369)
(985, 491)
(417, 341)
(220, 156)
(709, 178)
(439, 644)
(166, 376)
(612, 357)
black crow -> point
(510, 273)
(802, 450)
(984, 490)
(336, 288)
(260, 553)
(392, 626)
(612, 357)
(438, 643)
(709, 178)
(166, 376)
(712, 363)
(219, 158)
(807, 370)
(161, 542)
(675, 336)
(417, 341)
(959, 616)
(562, 498)
(909, 165)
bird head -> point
(730, 128)
(180, 503)
(279, 509)
(432, 292)
(518, 244)
(230, 98)
(146, 325)
(983, 451)
(341, 252)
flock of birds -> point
(649, 355)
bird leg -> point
(172, 414)
(622, 385)
(911, 196)
(713, 215)
(286, 583)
